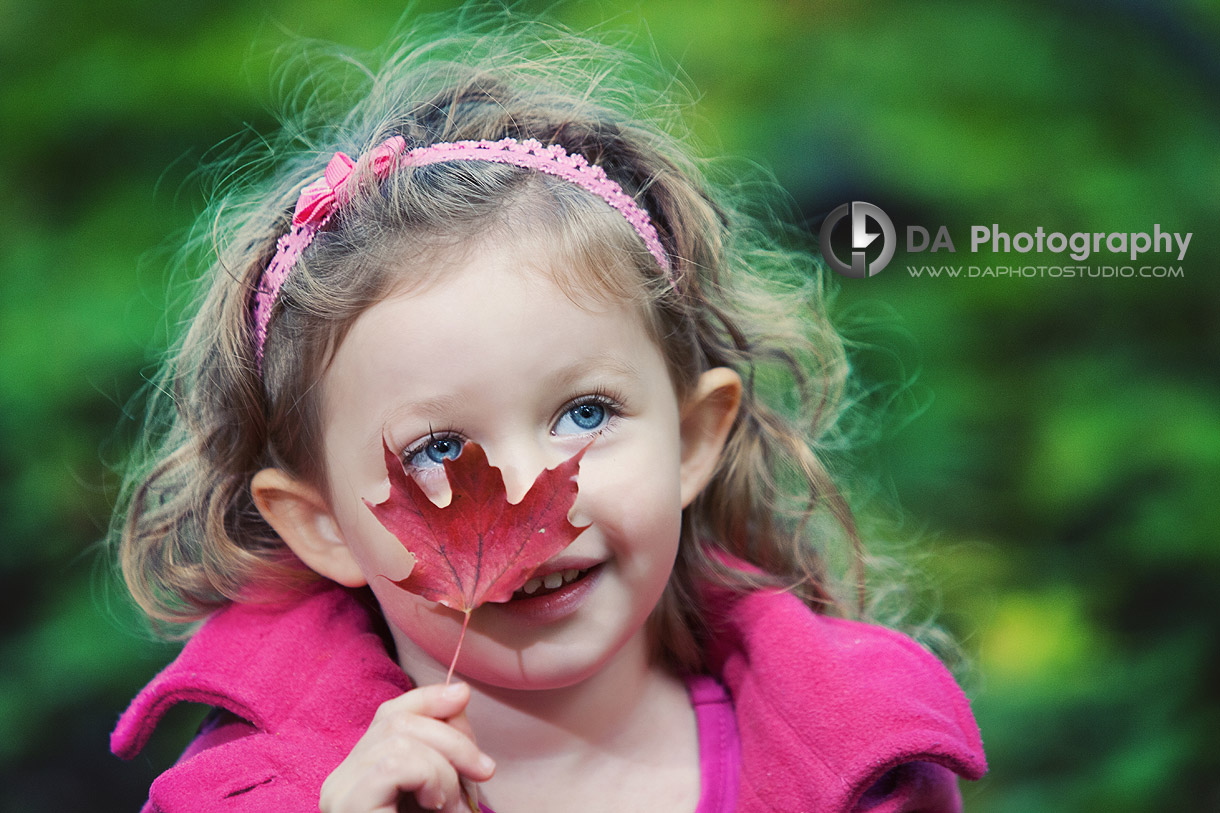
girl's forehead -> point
(589, 273)
(485, 328)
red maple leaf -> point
(480, 547)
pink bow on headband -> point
(320, 198)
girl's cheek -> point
(379, 554)
(435, 486)
(581, 513)
(395, 564)
(430, 628)
(397, 605)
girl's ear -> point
(299, 514)
(706, 418)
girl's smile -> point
(548, 599)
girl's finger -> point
(447, 792)
(438, 701)
(377, 784)
(426, 714)
(441, 790)
(411, 748)
(462, 723)
(461, 751)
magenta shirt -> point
(719, 748)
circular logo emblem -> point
(861, 238)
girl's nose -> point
(520, 464)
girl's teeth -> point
(551, 581)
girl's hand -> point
(418, 743)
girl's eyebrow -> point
(602, 363)
(438, 406)
(564, 378)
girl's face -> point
(494, 352)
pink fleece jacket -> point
(832, 715)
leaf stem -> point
(456, 652)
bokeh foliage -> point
(1054, 443)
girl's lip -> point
(557, 605)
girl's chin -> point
(514, 661)
(538, 666)
(532, 674)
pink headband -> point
(320, 199)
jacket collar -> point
(824, 706)
(320, 656)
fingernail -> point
(486, 764)
(453, 691)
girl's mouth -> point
(551, 583)
(554, 596)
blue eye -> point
(587, 416)
(434, 451)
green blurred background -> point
(1054, 443)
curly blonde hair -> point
(193, 541)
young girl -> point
(517, 256)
